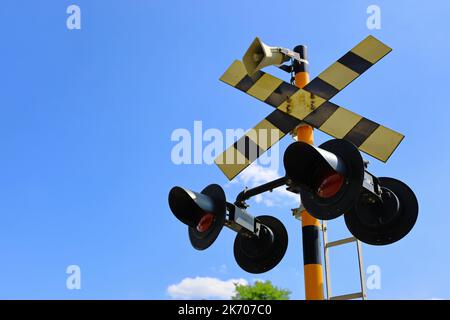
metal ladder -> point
(326, 246)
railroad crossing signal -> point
(309, 105)
(332, 179)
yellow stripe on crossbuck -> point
(234, 74)
(340, 123)
(232, 162)
(265, 134)
(264, 87)
(338, 75)
(382, 143)
(371, 49)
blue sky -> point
(87, 116)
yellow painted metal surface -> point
(338, 75)
(382, 143)
(340, 123)
(371, 49)
(313, 281)
(300, 103)
(264, 87)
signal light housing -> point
(308, 168)
(332, 180)
(191, 208)
(262, 253)
(385, 221)
(260, 242)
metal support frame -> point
(249, 193)
(238, 219)
(362, 278)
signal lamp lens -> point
(205, 222)
(330, 184)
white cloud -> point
(204, 288)
(256, 175)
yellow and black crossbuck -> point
(309, 105)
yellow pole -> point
(312, 263)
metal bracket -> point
(292, 54)
(287, 68)
(240, 221)
(297, 212)
(248, 193)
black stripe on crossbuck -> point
(247, 82)
(321, 114)
(359, 133)
(355, 62)
(320, 88)
(248, 148)
(282, 121)
(281, 94)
